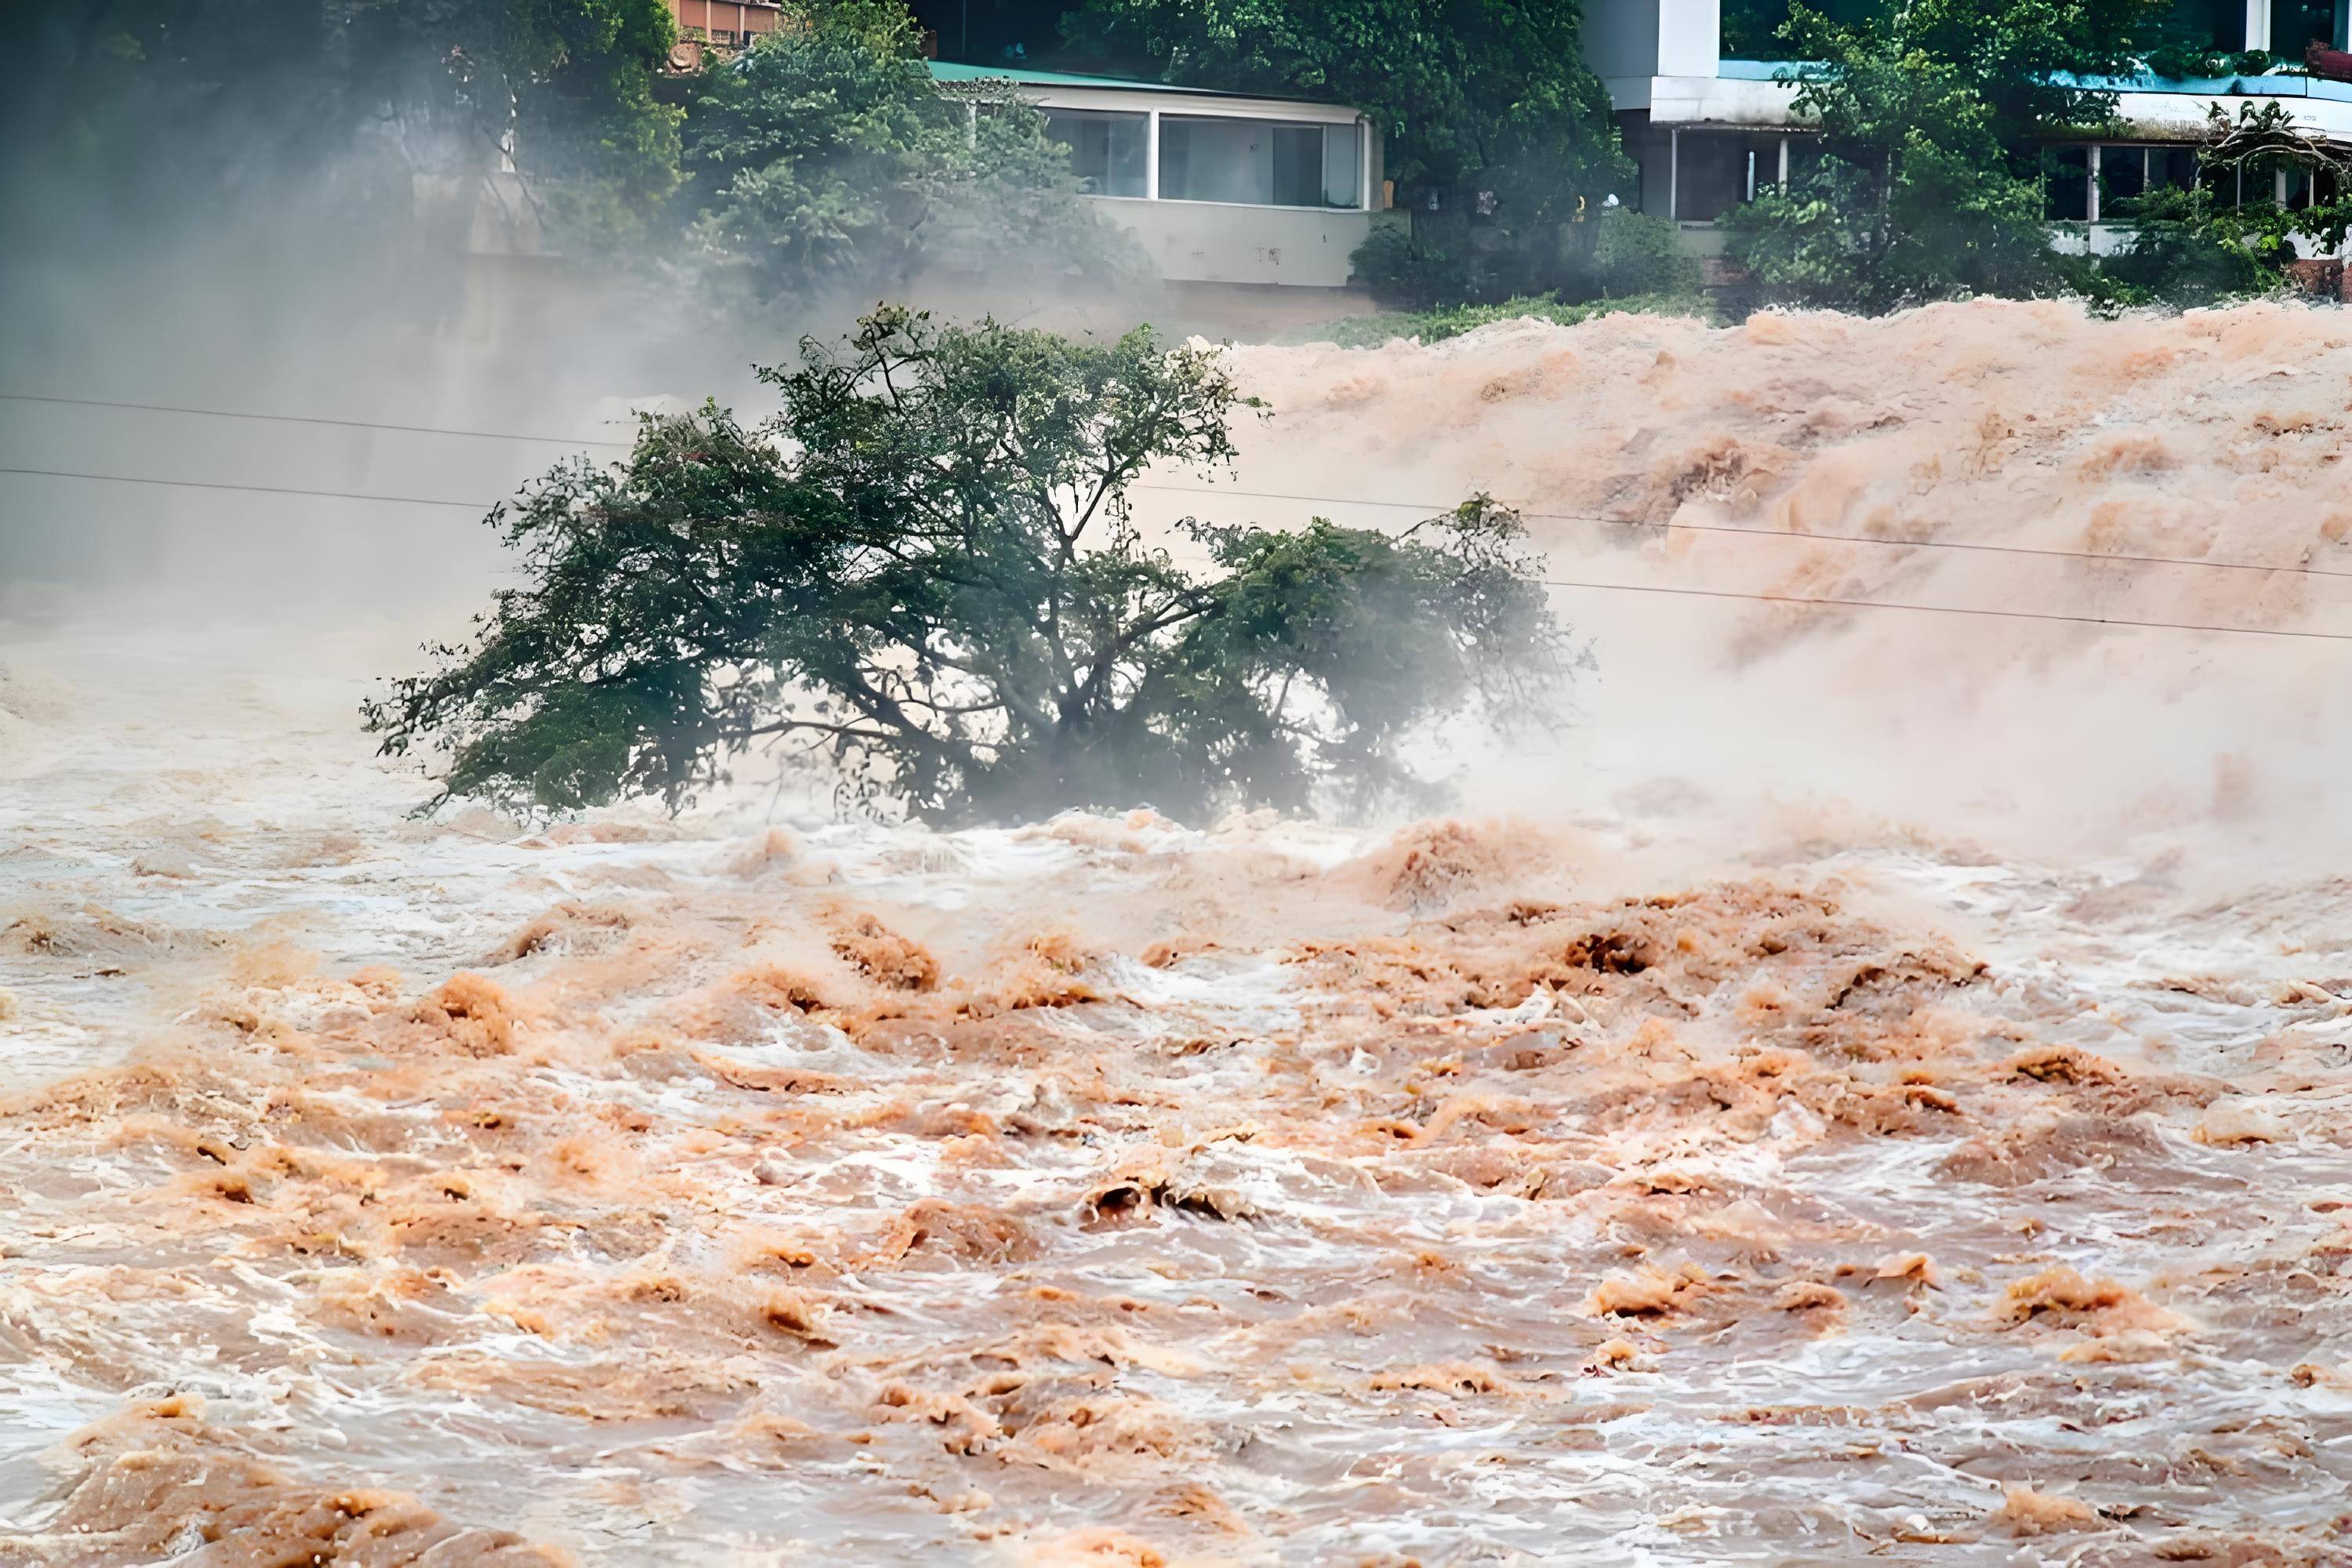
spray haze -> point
(1866, 1090)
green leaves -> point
(1490, 90)
(1931, 111)
(829, 154)
(923, 570)
(326, 112)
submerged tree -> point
(924, 569)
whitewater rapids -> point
(1876, 1091)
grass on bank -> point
(1444, 321)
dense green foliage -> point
(1470, 90)
(827, 155)
(1932, 112)
(923, 570)
(162, 109)
(1614, 253)
(2185, 252)
(1752, 28)
(1474, 99)
(2193, 248)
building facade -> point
(1218, 187)
(705, 27)
(1708, 132)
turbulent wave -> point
(1875, 1094)
(1946, 448)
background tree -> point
(171, 110)
(924, 569)
(1471, 96)
(2228, 237)
(828, 155)
(1932, 114)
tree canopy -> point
(922, 570)
(2228, 236)
(1465, 91)
(824, 154)
(1932, 114)
(827, 155)
(156, 103)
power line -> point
(1547, 582)
(1947, 610)
(256, 489)
(1433, 508)
(308, 420)
(1426, 507)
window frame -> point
(1269, 125)
(1142, 117)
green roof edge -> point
(947, 71)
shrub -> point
(1452, 320)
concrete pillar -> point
(1152, 156)
(2258, 24)
(1784, 160)
(1363, 162)
(2091, 186)
(1689, 34)
(1674, 174)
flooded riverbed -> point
(1634, 1168)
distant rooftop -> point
(2244, 84)
(943, 70)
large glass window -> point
(1107, 151)
(2204, 25)
(2303, 22)
(1259, 162)
(2066, 183)
(2122, 177)
(1342, 167)
(1718, 171)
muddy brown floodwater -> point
(1630, 1170)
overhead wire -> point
(1429, 509)
(253, 489)
(1433, 509)
(305, 419)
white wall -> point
(1711, 99)
(1137, 99)
(1690, 37)
(1620, 37)
(1210, 242)
(1221, 242)
(1632, 38)
(2180, 116)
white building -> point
(1220, 187)
(1708, 132)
